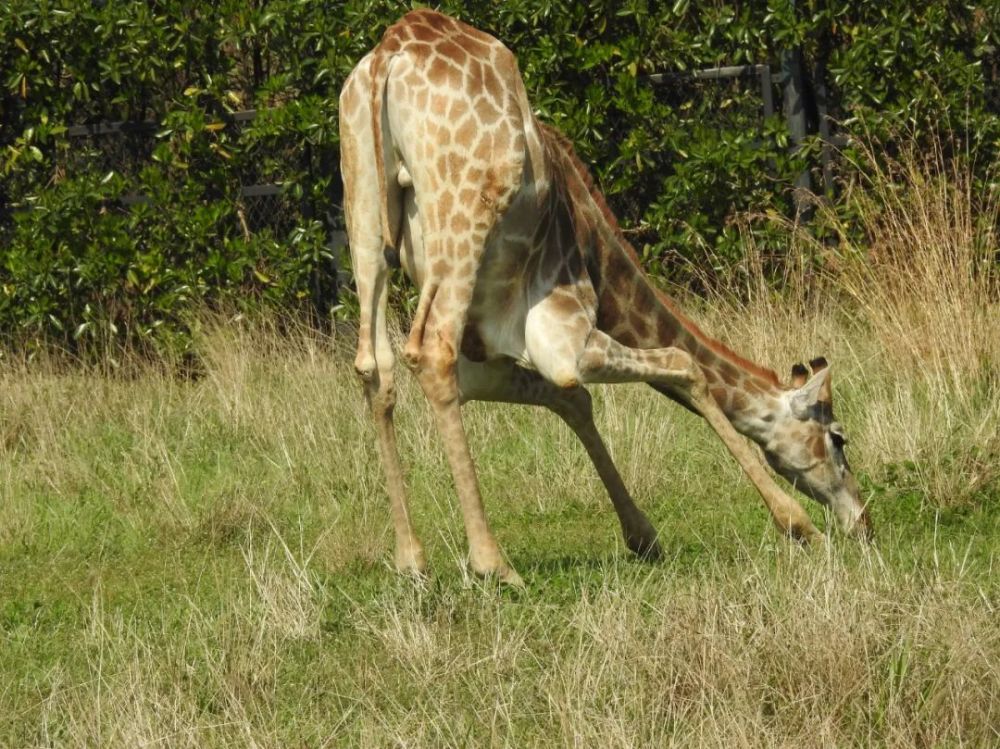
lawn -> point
(206, 561)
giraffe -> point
(529, 291)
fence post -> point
(795, 117)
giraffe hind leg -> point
(438, 377)
(374, 362)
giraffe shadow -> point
(580, 568)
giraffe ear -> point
(819, 364)
(805, 398)
(799, 375)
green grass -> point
(208, 563)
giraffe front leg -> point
(502, 380)
(606, 360)
(437, 373)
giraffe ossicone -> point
(529, 290)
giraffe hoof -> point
(411, 562)
(807, 535)
(508, 576)
(499, 571)
(647, 548)
(505, 575)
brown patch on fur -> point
(452, 51)
(626, 337)
(501, 139)
(422, 33)
(639, 323)
(730, 374)
(437, 21)
(739, 401)
(438, 71)
(420, 50)
(608, 312)
(465, 134)
(454, 169)
(476, 48)
(484, 148)
(487, 112)
(474, 76)
(457, 110)
(618, 269)
(492, 84)
(665, 332)
(444, 206)
(564, 302)
(439, 104)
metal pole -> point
(795, 116)
(766, 95)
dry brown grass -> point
(906, 305)
(206, 563)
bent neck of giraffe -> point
(748, 395)
(643, 317)
(632, 311)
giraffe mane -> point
(564, 147)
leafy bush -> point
(678, 162)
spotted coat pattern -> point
(528, 289)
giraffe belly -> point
(496, 319)
(495, 325)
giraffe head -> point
(806, 446)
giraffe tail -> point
(381, 65)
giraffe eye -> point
(837, 436)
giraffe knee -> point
(437, 369)
(364, 364)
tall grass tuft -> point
(905, 302)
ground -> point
(207, 562)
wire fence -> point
(763, 80)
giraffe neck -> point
(634, 312)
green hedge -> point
(677, 162)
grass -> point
(207, 562)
